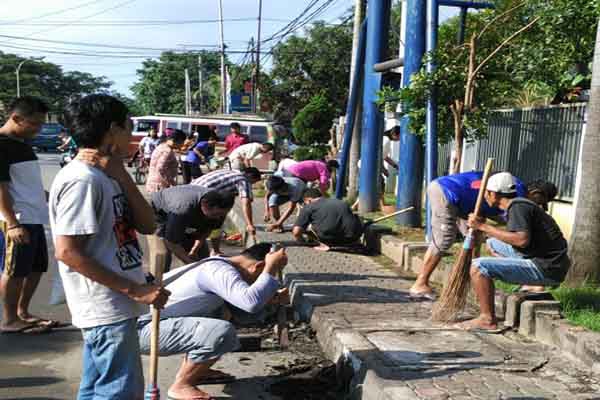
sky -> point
(28, 27)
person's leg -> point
(187, 172)
(484, 290)
(444, 219)
(500, 249)
(115, 350)
(204, 340)
(39, 266)
(89, 373)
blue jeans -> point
(511, 267)
(112, 366)
(203, 339)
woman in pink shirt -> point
(313, 170)
(164, 166)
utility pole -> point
(200, 88)
(19, 70)
(188, 97)
(257, 74)
(359, 9)
(222, 39)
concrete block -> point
(500, 304)
(391, 247)
(413, 249)
(528, 311)
(513, 305)
(588, 347)
(545, 328)
(416, 263)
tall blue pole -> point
(378, 15)
(431, 117)
(410, 171)
(351, 112)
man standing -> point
(235, 138)
(185, 216)
(452, 199)
(95, 211)
(536, 249)
(23, 213)
(238, 183)
(243, 155)
(280, 191)
(330, 220)
(199, 153)
(148, 144)
(191, 321)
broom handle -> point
(486, 175)
(392, 214)
(159, 266)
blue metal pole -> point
(378, 14)
(410, 162)
(351, 112)
(431, 117)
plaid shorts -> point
(20, 260)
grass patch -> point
(404, 232)
(581, 306)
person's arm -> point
(267, 210)
(286, 215)
(199, 154)
(14, 229)
(517, 239)
(297, 232)
(70, 251)
(247, 210)
(391, 162)
(113, 166)
(179, 252)
(324, 178)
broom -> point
(152, 391)
(454, 294)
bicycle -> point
(141, 170)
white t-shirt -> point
(201, 288)
(285, 164)
(386, 148)
(248, 151)
(85, 201)
(148, 144)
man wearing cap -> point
(534, 249)
(452, 199)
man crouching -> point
(191, 321)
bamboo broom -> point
(454, 294)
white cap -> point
(502, 182)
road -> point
(49, 366)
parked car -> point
(47, 139)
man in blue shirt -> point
(452, 199)
(200, 153)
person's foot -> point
(420, 290)
(534, 289)
(216, 253)
(179, 391)
(478, 324)
(322, 247)
(39, 321)
(20, 326)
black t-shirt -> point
(547, 247)
(332, 220)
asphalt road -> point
(49, 366)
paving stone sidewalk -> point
(362, 313)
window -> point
(258, 134)
(144, 125)
(172, 125)
(185, 126)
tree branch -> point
(493, 21)
(511, 37)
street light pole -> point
(18, 82)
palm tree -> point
(585, 239)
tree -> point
(585, 238)
(161, 85)
(516, 49)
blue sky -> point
(96, 21)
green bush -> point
(311, 125)
(316, 152)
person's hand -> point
(151, 294)
(112, 164)
(475, 222)
(281, 297)
(215, 253)
(251, 229)
(273, 227)
(18, 234)
(267, 217)
(276, 260)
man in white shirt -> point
(148, 144)
(191, 321)
(243, 155)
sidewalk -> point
(364, 318)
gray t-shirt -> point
(86, 202)
(200, 289)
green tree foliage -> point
(318, 62)
(311, 125)
(161, 85)
(47, 81)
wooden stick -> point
(391, 215)
(159, 260)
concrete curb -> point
(535, 317)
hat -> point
(502, 182)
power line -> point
(138, 22)
(64, 10)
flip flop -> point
(216, 377)
(496, 331)
(48, 323)
(28, 330)
(171, 397)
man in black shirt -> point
(534, 249)
(330, 220)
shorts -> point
(276, 200)
(445, 220)
(20, 260)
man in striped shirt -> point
(238, 182)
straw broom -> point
(455, 291)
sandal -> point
(28, 330)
